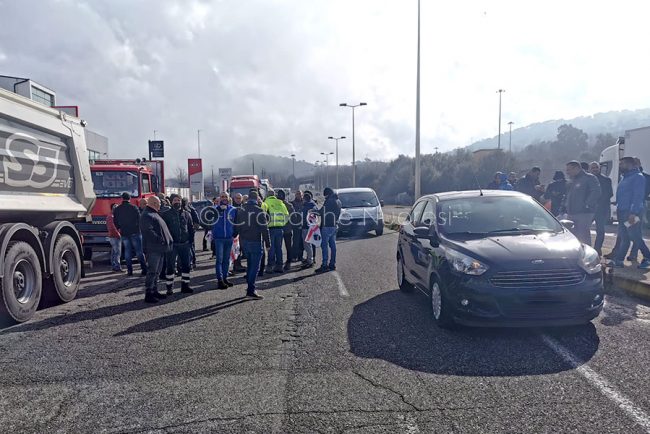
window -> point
(429, 215)
(114, 183)
(146, 184)
(358, 199)
(43, 97)
(93, 155)
(417, 211)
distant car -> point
(361, 211)
(497, 258)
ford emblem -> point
(537, 262)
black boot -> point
(222, 285)
(227, 282)
(150, 298)
(185, 288)
(159, 295)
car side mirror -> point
(567, 224)
(381, 203)
(427, 233)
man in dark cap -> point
(127, 219)
(181, 227)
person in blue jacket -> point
(222, 235)
(503, 182)
(630, 206)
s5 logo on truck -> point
(27, 162)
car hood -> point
(372, 212)
(555, 250)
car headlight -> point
(589, 260)
(465, 264)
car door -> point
(422, 251)
(407, 237)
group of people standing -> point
(585, 198)
(161, 233)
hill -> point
(614, 122)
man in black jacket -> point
(181, 227)
(288, 230)
(582, 198)
(158, 242)
(329, 217)
(195, 224)
(296, 227)
(251, 224)
(603, 209)
(127, 219)
(530, 184)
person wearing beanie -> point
(127, 220)
(556, 192)
(329, 217)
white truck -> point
(45, 186)
(635, 143)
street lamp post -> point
(417, 118)
(337, 157)
(154, 134)
(293, 166)
(327, 164)
(354, 166)
(510, 135)
(500, 91)
(317, 175)
(198, 140)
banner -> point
(195, 173)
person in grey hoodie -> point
(582, 198)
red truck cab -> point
(243, 183)
(111, 178)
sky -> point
(267, 76)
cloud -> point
(267, 76)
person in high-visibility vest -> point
(278, 218)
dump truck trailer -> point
(45, 188)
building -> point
(479, 154)
(96, 143)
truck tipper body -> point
(45, 188)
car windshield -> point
(114, 183)
(358, 199)
(500, 215)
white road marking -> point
(342, 289)
(634, 412)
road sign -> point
(225, 173)
(156, 149)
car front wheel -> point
(440, 308)
(404, 285)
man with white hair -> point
(158, 241)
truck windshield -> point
(242, 190)
(114, 183)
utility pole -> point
(510, 123)
(253, 161)
(500, 91)
(337, 157)
(293, 161)
(354, 166)
(417, 118)
(154, 134)
(213, 189)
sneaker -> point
(117, 270)
(159, 296)
(306, 265)
(170, 291)
(322, 269)
(230, 285)
(632, 258)
(254, 295)
(222, 285)
(332, 267)
(644, 265)
(150, 298)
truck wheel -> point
(88, 254)
(66, 268)
(22, 282)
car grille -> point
(544, 309)
(538, 278)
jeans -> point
(222, 246)
(275, 254)
(253, 252)
(154, 265)
(582, 226)
(288, 244)
(133, 244)
(116, 252)
(298, 241)
(309, 251)
(601, 219)
(184, 254)
(634, 234)
(328, 240)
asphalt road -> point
(340, 352)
